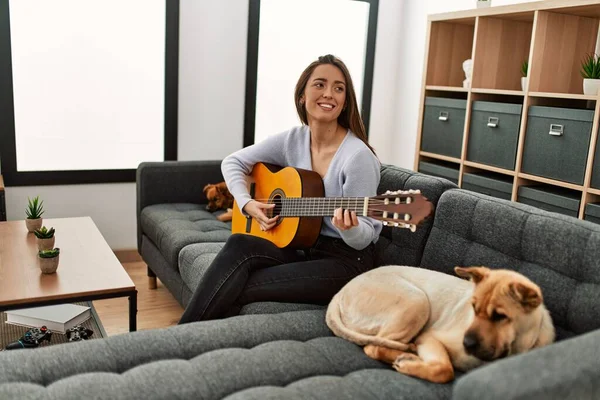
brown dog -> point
(219, 198)
(448, 322)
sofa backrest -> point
(561, 254)
(401, 246)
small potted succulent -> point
(590, 70)
(524, 70)
(34, 213)
(45, 238)
(49, 260)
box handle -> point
(556, 130)
(443, 116)
(493, 122)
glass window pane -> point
(292, 34)
(88, 81)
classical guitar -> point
(300, 205)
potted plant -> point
(49, 260)
(524, 70)
(45, 238)
(590, 70)
(34, 213)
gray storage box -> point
(494, 133)
(488, 183)
(592, 212)
(550, 198)
(557, 143)
(443, 126)
(440, 170)
(595, 183)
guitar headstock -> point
(402, 208)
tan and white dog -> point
(426, 323)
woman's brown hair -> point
(350, 115)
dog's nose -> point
(470, 342)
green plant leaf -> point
(590, 66)
(34, 208)
(50, 253)
(524, 68)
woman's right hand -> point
(257, 211)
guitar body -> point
(269, 184)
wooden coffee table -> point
(87, 269)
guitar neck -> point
(322, 206)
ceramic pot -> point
(33, 224)
(523, 83)
(590, 86)
(46, 244)
(49, 265)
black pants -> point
(250, 269)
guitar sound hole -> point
(277, 200)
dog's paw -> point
(371, 351)
(402, 361)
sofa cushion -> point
(401, 246)
(557, 252)
(272, 307)
(194, 259)
(291, 355)
(171, 227)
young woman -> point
(332, 142)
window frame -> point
(252, 68)
(8, 151)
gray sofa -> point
(272, 352)
(178, 237)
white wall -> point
(212, 75)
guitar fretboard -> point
(320, 206)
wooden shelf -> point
(450, 43)
(553, 182)
(572, 96)
(489, 168)
(447, 88)
(440, 157)
(552, 36)
(498, 91)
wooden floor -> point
(156, 308)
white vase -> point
(33, 224)
(49, 265)
(523, 83)
(483, 3)
(45, 244)
(591, 86)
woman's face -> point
(325, 94)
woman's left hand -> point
(344, 219)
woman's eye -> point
(339, 89)
(318, 84)
(496, 316)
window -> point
(284, 36)
(89, 89)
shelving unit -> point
(552, 36)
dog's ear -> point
(208, 186)
(222, 188)
(525, 294)
(476, 274)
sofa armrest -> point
(569, 369)
(173, 182)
